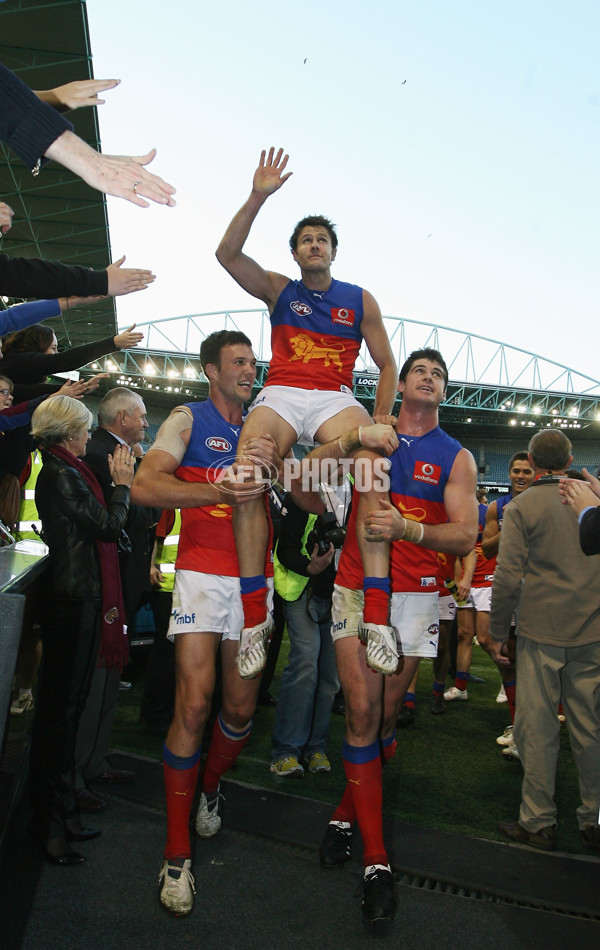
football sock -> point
(345, 811)
(377, 600)
(180, 775)
(389, 747)
(461, 679)
(225, 746)
(254, 599)
(362, 765)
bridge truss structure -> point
(491, 382)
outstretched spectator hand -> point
(593, 482)
(6, 216)
(121, 281)
(76, 95)
(578, 494)
(79, 388)
(119, 175)
(126, 280)
(45, 134)
(127, 338)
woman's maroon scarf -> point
(114, 646)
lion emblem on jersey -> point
(306, 349)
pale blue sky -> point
(455, 144)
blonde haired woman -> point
(83, 604)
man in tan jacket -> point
(543, 574)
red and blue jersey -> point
(483, 574)
(206, 542)
(420, 468)
(315, 336)
(501, 504)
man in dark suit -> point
(584, 499)
(121, 419)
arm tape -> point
(169, 435)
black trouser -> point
(71, 639)
(158, 700)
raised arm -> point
(379, 347)
(265, 285)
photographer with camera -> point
(305, 563)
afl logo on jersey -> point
(302, 309)
(218, 444)
(427, 472)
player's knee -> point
(464, 634)
(193, 714)
(239, 715)
(362, 718)
(484, 639)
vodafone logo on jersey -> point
(218, 444)
(343, 316)
(302, 309)
(427, 472)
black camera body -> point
(325, 532)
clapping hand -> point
(121, 465)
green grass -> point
(449, 773)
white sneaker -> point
(252, 654)
(507, 737)
(502, 697)
(177, 891)
(382, 646)
(511, 752)
(208, 820)
(22, 704)
(455, 693)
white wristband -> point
(413, 531)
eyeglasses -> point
(5, 392)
